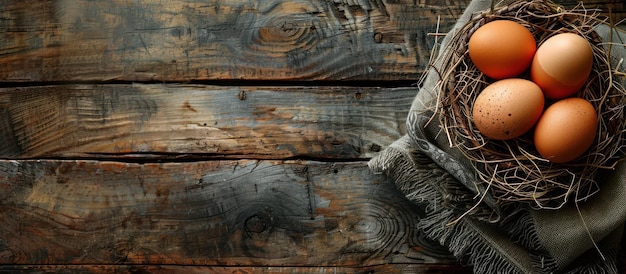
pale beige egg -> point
(562, 64)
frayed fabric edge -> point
(415, 174)
(427, 185)
(468, 246)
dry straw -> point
(513, 169)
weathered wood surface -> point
(197, 121)
(81, 40)
(209, 165)
(219, 213)
(168, 269)
(184, 40)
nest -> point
(513, 169)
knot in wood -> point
(256, 224)
(283, 30)
(284, 34)
(378, 37)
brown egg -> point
(508, 108)
(562, 65)
(566, 130)
(502, 49)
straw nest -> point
(512, 169)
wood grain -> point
(216, 213)
(187, 121)
(183, 40)
(440, 268)
(208, 166)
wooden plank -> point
(169, 269)
(216, 213)
(182, 40)
(200, 121)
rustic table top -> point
(211, 136)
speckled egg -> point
(507, 108)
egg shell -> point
(566, 130)
(507, 108)
(562, 65)
(502, 49)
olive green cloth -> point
(489, 237)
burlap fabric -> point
(478, 231)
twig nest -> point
(513, 168)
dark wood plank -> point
(79, 40)
(216, 213)
(200, 121)
(169, 269)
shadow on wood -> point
(226, 213)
